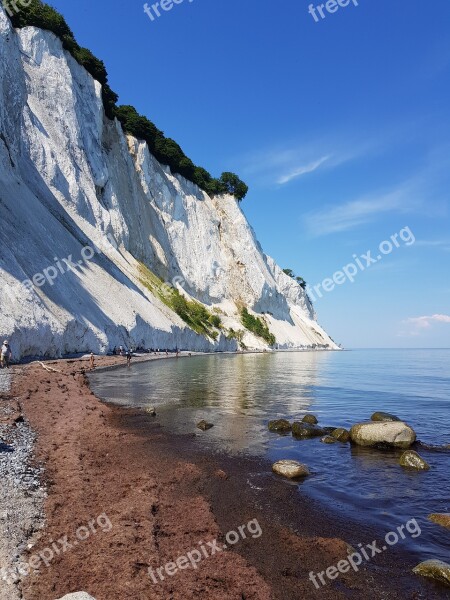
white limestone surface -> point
(70, 178)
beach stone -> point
(290, 469)
(442, 519)
(305, 430)
(77, 596)
(328, 439)
(383, 416)
(204, 425)
(435, 569)
(412, 460)
(311, 419)
(341, 434)
(395, 434)
(328, 430)
(280, 425)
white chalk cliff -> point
(70, 178)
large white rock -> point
(290, 469)
(77, 596)
(68, 178)
(397, 434)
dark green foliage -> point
(165, 150)
(289, 272)
(231, 184)
(301, 282)
(257, 326)
(215, 321)
(195, 315)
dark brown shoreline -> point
(163, 495)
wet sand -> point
(164, 496)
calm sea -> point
(241, 393)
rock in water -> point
(311, 419)
(341, 434)
(435, 569)
(204, 425)
(395, 434)
(305, 430)
(280, 425)
(383, 416)
(328, 439)
(290, 469)
(412, 460)
(77, 596)
(442, 519)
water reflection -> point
(241, 393)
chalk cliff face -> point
(69, 179)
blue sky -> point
(340, 127)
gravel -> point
(5, 380)
(21, 493)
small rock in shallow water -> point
(341, 434)
(280, 425)
(305, 430)
(442, 519)
(311, 419)
(204, 425)
(328, 439)
(290, 469)
(396, 434)
(383, 416)
(435, 569)
(412, 460)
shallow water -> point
(241, 393)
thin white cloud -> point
(335, 219)
(281, 164)
(303, 170)
(426, 321)
(440, 244)
(417, 325)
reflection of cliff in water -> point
(238, 393)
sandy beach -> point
(125, 495)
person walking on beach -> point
(129, 357)
(92, 361)
(5, 354)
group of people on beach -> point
(5, 355)
(121, 351)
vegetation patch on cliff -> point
(193, 313)
(257, 326)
